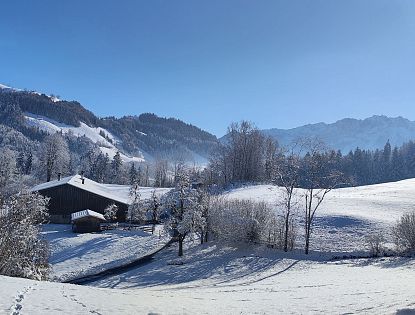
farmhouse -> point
(76, 193)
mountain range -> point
(347, 134)
(149, 137)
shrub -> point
(240, 221)
(375, 244)
(404, 233)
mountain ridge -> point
(155, 137)
(348, 133)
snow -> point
(2, 86)
(6, 88)
(347, 215)
(77, 255)
(86, 213)
(92, 133)
(237, 279)
(141, 133)
(54, 99)
(243, 281)
(120, 193)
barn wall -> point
(66, 199)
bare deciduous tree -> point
(55, 155)
(287, 174)
(319, 180)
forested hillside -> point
(42, 136)
(157, 137)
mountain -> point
(347, 134)
(138, 138)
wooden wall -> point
(66, 199)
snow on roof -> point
(90, 186)
(86, 213)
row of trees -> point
(68, 155)
(191, 211)
(249, 156)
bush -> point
(240, 221)
(23, 253)
(375, 244)
(404, 233)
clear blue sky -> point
(277, 63)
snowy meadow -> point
(243, 278)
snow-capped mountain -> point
(347, 134)
(138, 138)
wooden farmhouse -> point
(76, 193)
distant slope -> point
(146, 136)
(100, 136)
(347, 134)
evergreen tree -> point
(28, 164)
(133, 174)
(116, 167)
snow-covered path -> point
(78, 255)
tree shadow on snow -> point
(384, 262)
(218, 265)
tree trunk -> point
(48, 175)
(307, 237)
(287, 223)
(180, 246)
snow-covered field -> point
(77, 255)
(347, 215)
(227, 280)
(219, 279)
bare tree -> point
(319, 180)
(160, 173)
(287, 174)
(270, 159)
(241, 158)
(55, 155)
(186, 216)
(135, 209)
(155, 205)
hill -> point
(143, 137)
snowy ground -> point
(228, 280)
(76, 255)
(347, 215)
(214, 279)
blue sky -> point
(277, 63)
